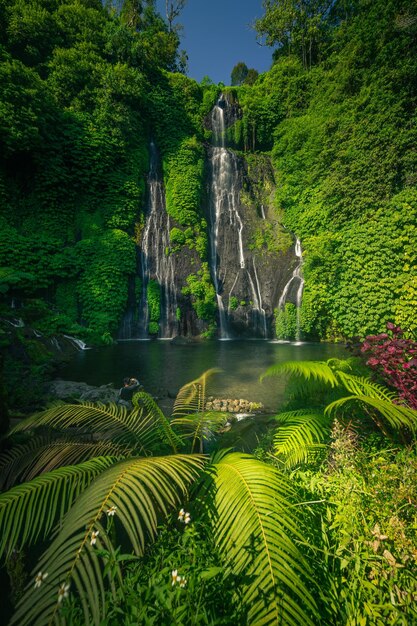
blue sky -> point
(217, 35)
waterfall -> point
(155, 263)
(78, 343)
(295, 277)
(226, 232)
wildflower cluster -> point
(180, 580)
(184, 517)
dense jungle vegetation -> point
(84, 88)
(137, 526)
(112, 515)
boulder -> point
(69, 391)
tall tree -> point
(173, 8)
(296, 26)
(131, 13)
(239, 73)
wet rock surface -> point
(235, 405)
(69, 390)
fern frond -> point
(43, 454)
(254, 525)
(142, 490)
(111, 421)
(364, 386)
(152, 409)
(191, 398)
(301, 436)
(315, 370)
(396, 416)
(29, 511)
(201, 426)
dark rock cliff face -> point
(251, 256)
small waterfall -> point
(257, 299)
(78, 343)
(296, 276)
(155, 263)
(263, 212)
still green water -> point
(163, 367)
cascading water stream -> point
(226, 239)
(296, 276)
(154, 262)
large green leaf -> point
(29, 511)
(142, 490)
(255, 527)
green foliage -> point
(295, 27)
(154, 300)
(184, 172)
(251, 504)
(286, 322)
(301, 437)
(74, 123)
(131, 493)
(366, 530)
(233, 303)
(302, 434)
(202, 292)
(103, 288)
(147, 593)
(239, 73)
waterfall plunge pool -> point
(164, 366)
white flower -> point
(111, 511)
(184, 517)
(39, 579)
(94, 536)
(63, 592)
(183, 582)
(175, 577)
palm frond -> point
(201, 426)
(254, 524)
(396, 416)
(43, 454)
(111, 421)
(364, 386)
(141, 490)
(29, 511)
(301, 436)
(167, 434)
(309, 370)
(191, 398)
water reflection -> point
(163, 367)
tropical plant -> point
(302, 434)
(119, 485)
